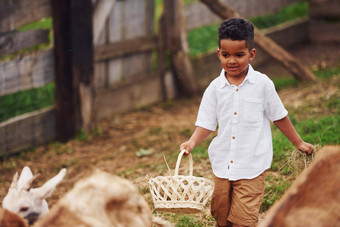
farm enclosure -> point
(125, 77)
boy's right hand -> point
(188, 146)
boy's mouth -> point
(233, 68)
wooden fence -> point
(124, 46)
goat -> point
(29, 202)
(314, 197)
(101, 200)
(10, 219)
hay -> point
(298, 161)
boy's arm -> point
(287, 128)
(198, 136)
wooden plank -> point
(326, 31)
(135, 25)
(3, 146)
(115, 34)
(100, 68)
(101, 14)
(26, 72)
(72, 23)
(19, 135)
(134, 19)
(126, 47)
(16, 13)
(44, 126)
(197, 14)
(178, 47)
(141, 64)
(133, 94)
(14, 41)
(323, 10)
(27, 131)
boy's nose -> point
(232, 61)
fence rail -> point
(123, 76)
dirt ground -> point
(158, 129)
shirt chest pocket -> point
(253, 110)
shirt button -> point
(231, 161)
(233, 137)
(235, 113)
(237, 89)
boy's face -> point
(235, 57)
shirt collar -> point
(250, 77)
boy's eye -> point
(225, 55)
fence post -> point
(74, 93)
(178, 47)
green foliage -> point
(45, 23)
(291, 12)
(203, 39)
(186, 221)
(327, 72)
(274, 189)
(284, 82)
(26, 101)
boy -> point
(242, 102)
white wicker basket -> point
(181, 194)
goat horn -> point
(28, 185)
(14, 183)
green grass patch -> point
(291, 12)
(45, 23)
(205, 39)
(328, 72)
(26, 101)
(284, 82)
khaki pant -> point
(238, 201)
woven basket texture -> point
(179, 193)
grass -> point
(207, 35)
(26, 101)
(45, 23)
(291, 12)
(33, 99)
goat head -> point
(30, 202)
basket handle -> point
(179, 161)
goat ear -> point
(28, 185)
(48, 188)
(25, 176)
(14, 183)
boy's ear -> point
(218, 53)
(252, 54)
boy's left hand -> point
(306, 148)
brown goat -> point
(10, 219)
(314, 197)
(100, 200)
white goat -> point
(28, 202)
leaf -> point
(144, 152)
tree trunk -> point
(274, 50)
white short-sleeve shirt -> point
(243, 146)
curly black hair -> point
(237, 29)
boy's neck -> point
(236, 80)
